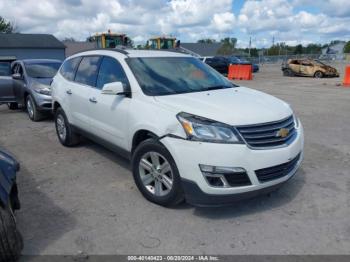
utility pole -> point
(250, 44)
(273, 41)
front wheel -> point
(11, 242)
(156, 174)
(32, 110)
(318, 74)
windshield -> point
(175, 75)
(5, 68)
(42, 70)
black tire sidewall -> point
(11, 242)
(318, 72)
(176, 194)
(12, 106)
(31, 100)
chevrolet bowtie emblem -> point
(283, 132)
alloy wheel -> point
(61, 127)
(30, 108)
(156, 173)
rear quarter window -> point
(69, 68)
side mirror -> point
(17, 76)
(114, 88)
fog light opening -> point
(217, 176)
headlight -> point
(206, 130)
(42, 89)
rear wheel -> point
(32, 110)
(64, 130)
(288, 72)
(11, 242)
(12, 106)
(318, 74)
(156, 174)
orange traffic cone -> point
(346, 82)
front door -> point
(306, 68)
(109, 113)
(6, 83)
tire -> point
(11, 242)
(33, 113)
(157, 188)
(64, 130)
(12, 106)
(318, 74)
(288, 72)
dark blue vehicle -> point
(234, 60)
(11, 242)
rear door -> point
(294, 65)
(6, 82)
(79, 92)
(109, 113)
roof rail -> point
(119, 50)
(173, 50)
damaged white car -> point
(190, 133)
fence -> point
(283, 58)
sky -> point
(290, 21)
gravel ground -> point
(83, 199)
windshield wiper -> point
(216, 87)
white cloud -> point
(186, 19)
(287, 20)
(223, 22)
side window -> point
(209, 60)
(306, 63)
(69, 68)
(88, 70)
(111, 71)
(5, 68)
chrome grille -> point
(266, 135)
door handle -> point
(69, 92)
(93, 100)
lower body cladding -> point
(219, 174)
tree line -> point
(229, 47)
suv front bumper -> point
(43, 102)
(188, 155)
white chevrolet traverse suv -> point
(189, 132)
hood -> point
(233, 106)
(329, 68)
